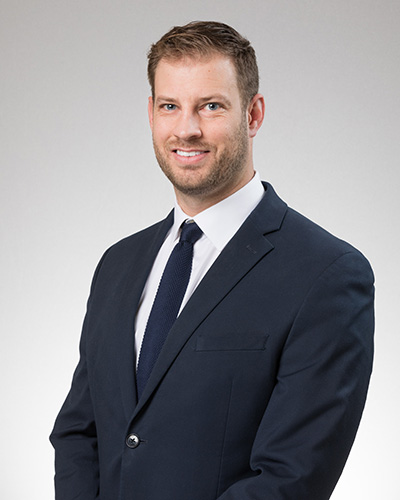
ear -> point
(255, 114)
(150, 110)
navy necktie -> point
(167, 302)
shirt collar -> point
(221, 221)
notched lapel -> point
(242, 253)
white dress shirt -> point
(219, 223)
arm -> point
(312, 417)
(75, 442)
(74, 435)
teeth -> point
(188, 153)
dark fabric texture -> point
(259, 387)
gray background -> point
(78, 173)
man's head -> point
(203, 112)
(204, 39)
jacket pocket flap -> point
(232, 342)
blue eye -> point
(170, 107)
(212, 106)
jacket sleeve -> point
(311, 420)
(74, 436)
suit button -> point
(132, 441)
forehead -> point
(189, 75)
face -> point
(200, 130)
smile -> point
(179, 152)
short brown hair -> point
(203, 39)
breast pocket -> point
(225, 341)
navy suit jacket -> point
(259, 388)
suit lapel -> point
(242, 253)
(136, 277)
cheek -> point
(163, 127)
(221, 134)
(159, 132)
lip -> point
(194, 155)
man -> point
(252, 335)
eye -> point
(169, 107)
(212, 106)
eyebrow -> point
(162, 98)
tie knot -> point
(190, 232)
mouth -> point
(190, 155)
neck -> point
(194, 204)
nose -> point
(188, 126)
